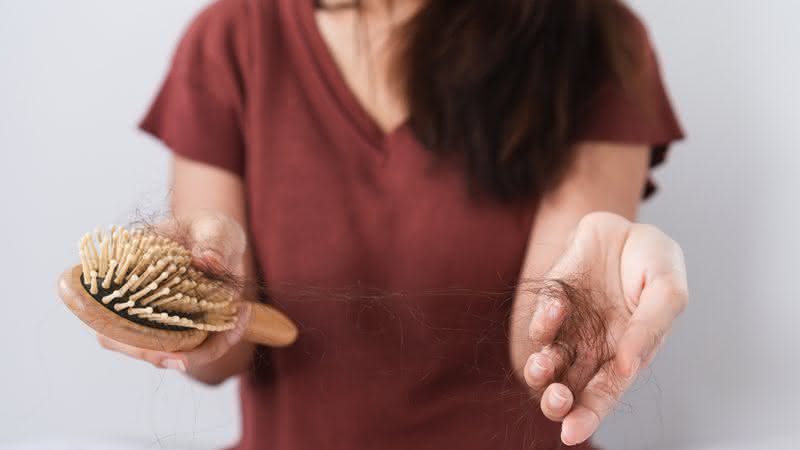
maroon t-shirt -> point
(398, 278)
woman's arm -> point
(604, 177)
(208, 203)
(199, 189)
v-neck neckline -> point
(337, 85)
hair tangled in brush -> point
(179, 231)
(149, 279)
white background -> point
(76, 76)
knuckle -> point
(678, 297)
(673, 292)
(682, 295)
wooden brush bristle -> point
(149, 279)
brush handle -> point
(270, 327)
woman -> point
(411, 161)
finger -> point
(594, 403)
(217, 344)
(556, 402)
(543, 367)
(166, 360)
(539, 372)
(547, 318)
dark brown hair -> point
(504, 86)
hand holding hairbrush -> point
(143, 289)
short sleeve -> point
(197, 112)
(640, 115)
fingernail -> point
(554, 311)
(175, 364)
(537, 368)
(210, 260)
(211, 257)
(557, 400)
(565, 436)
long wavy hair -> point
(505, 86)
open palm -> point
(637, 280)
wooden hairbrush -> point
(140, 288)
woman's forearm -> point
(200, 188)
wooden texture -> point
(111, 325)
(267, 326)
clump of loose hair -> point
(584, 336)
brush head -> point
(140, 288)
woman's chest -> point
(334, 202)
(325, 208)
